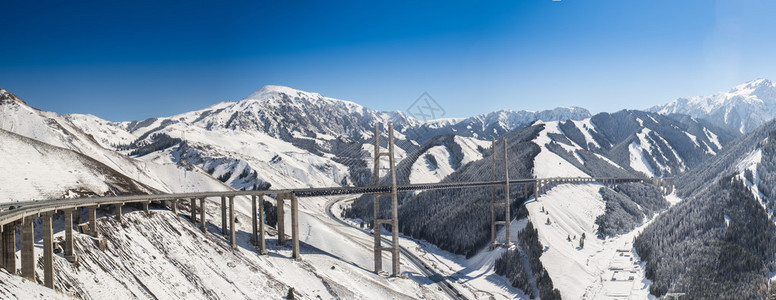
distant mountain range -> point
(742, 109)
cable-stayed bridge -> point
(24, 214)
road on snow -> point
(439, 279)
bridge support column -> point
(377, 232)
(394, 221)
(93, 221)
(193, 208)
(202, 219)
(77, 216)
(174, 206)
(48, 251)
(493, 241)
(9, 247)
(69, 255)
(262, 243)
(378, 252)
(232, 238)
(281, 212)
(223, 215)
(394, 205)
(28, 248)
(295, 227)
(507, 216)
(145, 207)
(118, 206)
(536, 190)
(254, 225)
(492, 216)
(526, 191)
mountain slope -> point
(742, 109)
(721, 240)
(46, 139)
(40, 171)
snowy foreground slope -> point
(166, 257)
(604, 268)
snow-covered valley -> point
(283, 138)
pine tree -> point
(290, 295)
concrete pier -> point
(28, 247)
(69, 253)
(223, 215)
(93, 221)
(493, 194)
(8, 245)
(394, 205)
(174, 206)
(281, 220)
(295, 227)
(202, 219)
(193, 208)
(145, 207)
(48, 251)
(507, 216)
(232, 230)
(262, 242)
(378, 252)
(394, 221)
(254, 225)
(117, 207)
(77, 216)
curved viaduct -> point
(23, 214)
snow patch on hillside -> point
(549, 164)
(604, 268)
(425, 170)
(470, 147)
(750, 163)
(585, 126)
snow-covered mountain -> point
(643, 143)
(313, 140)
(742, 109)
(52, 158)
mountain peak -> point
(752, 86)
(269, 90)
(8, 97)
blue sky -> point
(126, 60)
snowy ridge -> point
(494, 124)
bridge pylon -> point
(394, 220)
(494, 203)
